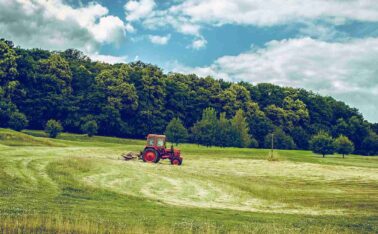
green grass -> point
(79, 184)
(12, 138)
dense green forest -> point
(132, 100)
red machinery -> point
(156, 149)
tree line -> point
(132, 100)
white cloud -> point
(52, 24)
(273, 12)
(159, 40)
(136, 10)
(109, 29)
(190, 16)
(198, 43)
(108, 58)
(345, 70)
(130, 28)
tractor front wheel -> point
(176, 161)
(150, 155)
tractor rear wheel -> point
(150, 155)
(176, 161)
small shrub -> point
(53, 128)
(18, 121)
(253, 143)
(90, 128)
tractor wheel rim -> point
(176, 162)
(150, 156)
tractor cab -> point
(156, 149)
(156, 141)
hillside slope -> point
(12, 138)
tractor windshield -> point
(160, 142)
(150, 142)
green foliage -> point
(53, 128)
(8, 65)
(10, 137)
(205, 131)
(301, 137)
(322, 143)
(18, 121)
(343, 145)
(240, 128)
(276, 114)
(211, 131)
(176, 132)
(120, 93)
(55, 74)
(253, 143)
(370, 144)
(90, 128)
(7, 108)
(280, 140)
(225, 132)
(234, 98)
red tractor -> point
(156, 149)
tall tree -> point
(322, 143)
(205, 131)
(241, 130)
(48, 91)
(234, 98)
(276, 114)
(8, 64)
(150, 84)
(297, 112)
(8, 84)
(176, 132)
(225, 131)
(343, 145)
(370, 144)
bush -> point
(53, 128)
(343, 145)
(18, 121)
(322, 143)
(90, 128)
(253, 143)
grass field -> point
(78, 184)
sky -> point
(327, 46)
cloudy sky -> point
(328, 46)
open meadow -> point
(80, 184)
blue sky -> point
(328, 46)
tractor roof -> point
(155, 135)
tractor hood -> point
(177, 152)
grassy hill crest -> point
(10, 137)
